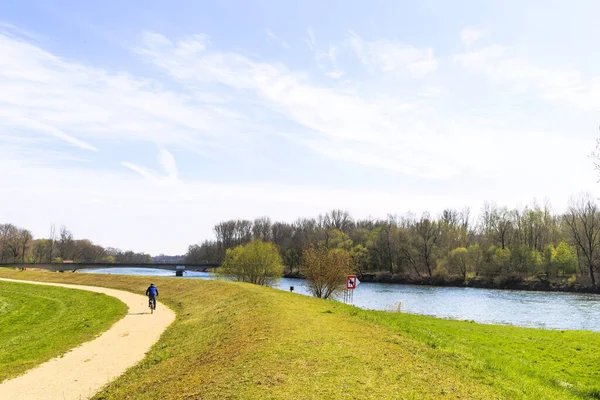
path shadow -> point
(139, 313)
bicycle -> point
(152, 304)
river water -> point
(548, 310)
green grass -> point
(233, 340)
(519, 362)
(38, 323)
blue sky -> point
(141, 124)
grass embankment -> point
(38, 323)
(234, 340)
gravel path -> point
(81, 373)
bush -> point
(326, 270)
(441, 270)
(257, 262)
(459, 262)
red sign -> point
(351, 282)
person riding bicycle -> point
(152, 293)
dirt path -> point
(82, 372)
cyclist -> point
(152, 293)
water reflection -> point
(520, 308)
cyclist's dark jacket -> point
(152, 291)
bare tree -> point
(243, 232)
(207, 252)
(498, 223)
(52, 244)
(225, 233)
(427, 233)
(65, 244)
(24, 240)
(9, 248)
(583, 219)
(338, 219)
(261, 229)
(14, 243)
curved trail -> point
(84, 370)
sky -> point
(141, 124)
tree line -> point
(501, 243)
(17, 245)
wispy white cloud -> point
(471, 35)
(311, 41)
(399, 132)
(335, 74)
(168, 163)
(143, 172)
(13, 29)
(393, 56)
(83, 106)
(390, 130)
(274, 39)
(36, 126)
(169, 175)
(550, 83)
(328, 62)
(356, 44)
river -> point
(548, 310)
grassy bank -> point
(38, 323)
(234, 340)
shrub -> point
(326, 270)
(257, 262)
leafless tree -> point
(497, 222)
(261, 229)
(338, 219)
(583, 219)
(24, 240)
(427, 234)
(52, 243)
(65, 244)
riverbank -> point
(535, 284)
(234, 340)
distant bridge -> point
(179, 268)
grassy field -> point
(233, 340)
(38, 323)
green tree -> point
(524, 261)
(360, 259)
(40, 250)
(336, 239)
(257, 262)
(326, 270)
(475, 257)
(549, 260)
(459, 262)
(497, 262)
(566, 258)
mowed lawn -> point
(233, 340)
(38, 323)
